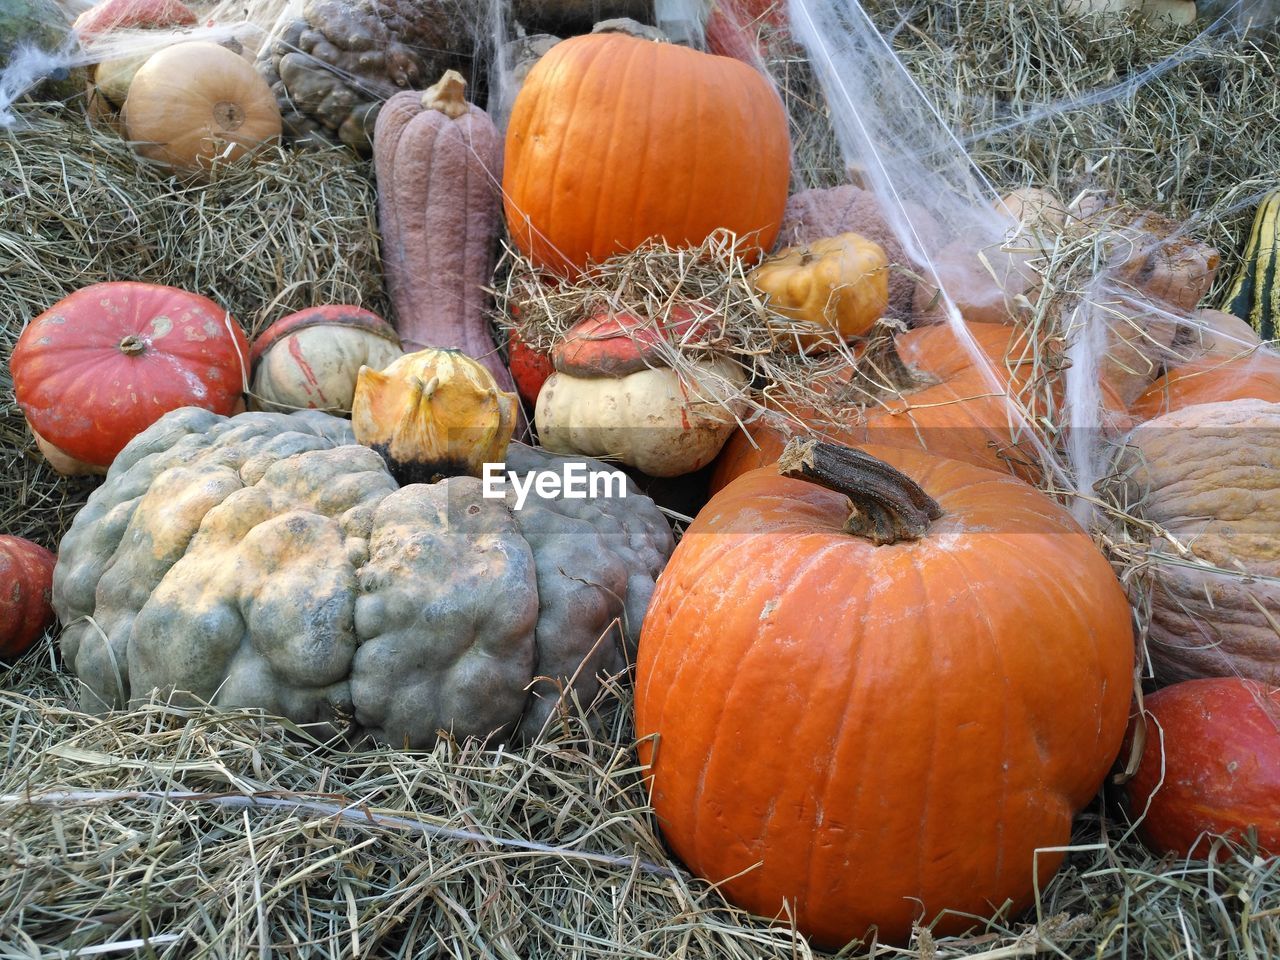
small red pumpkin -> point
(1210, 765)
(102, 365)
(111, 15)
(530, 367)
(26, 579)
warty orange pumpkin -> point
(614, 140)
(889, 711)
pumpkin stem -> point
(133, 346)
(446, 96)
(883, 356)
(888, 506)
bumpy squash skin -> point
(1207, 474)
(1210, 764)
(266, 560)
(440, 217)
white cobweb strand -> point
(1086, 346)
(27, 66)
(30, 65)
(909, 158)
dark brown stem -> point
(881, 373)
(885, 357)
(888, 506)
(132, 346)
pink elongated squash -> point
(438, 161)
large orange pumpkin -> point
(889, 726)
(949, 408)
(1210, 765)
(614, 140)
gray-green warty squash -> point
(267, 560)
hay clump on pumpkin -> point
(654, 280)
(74, 870)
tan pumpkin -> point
(835, 283)
(309, 360)
(438, 161)
(1208, 478)
(196, 104)
(109, 80)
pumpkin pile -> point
(881, 673)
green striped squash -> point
(1255, 294)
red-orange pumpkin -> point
(26, 579)
(529, 366)
(1210, 765)
(890, 726)
(105, 363)
(614, 140)
(111, 15)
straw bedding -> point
(229, 835)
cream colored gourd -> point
(648, 419)
(310, 360)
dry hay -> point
(224, 834)
(176, 824)
(77, 208)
